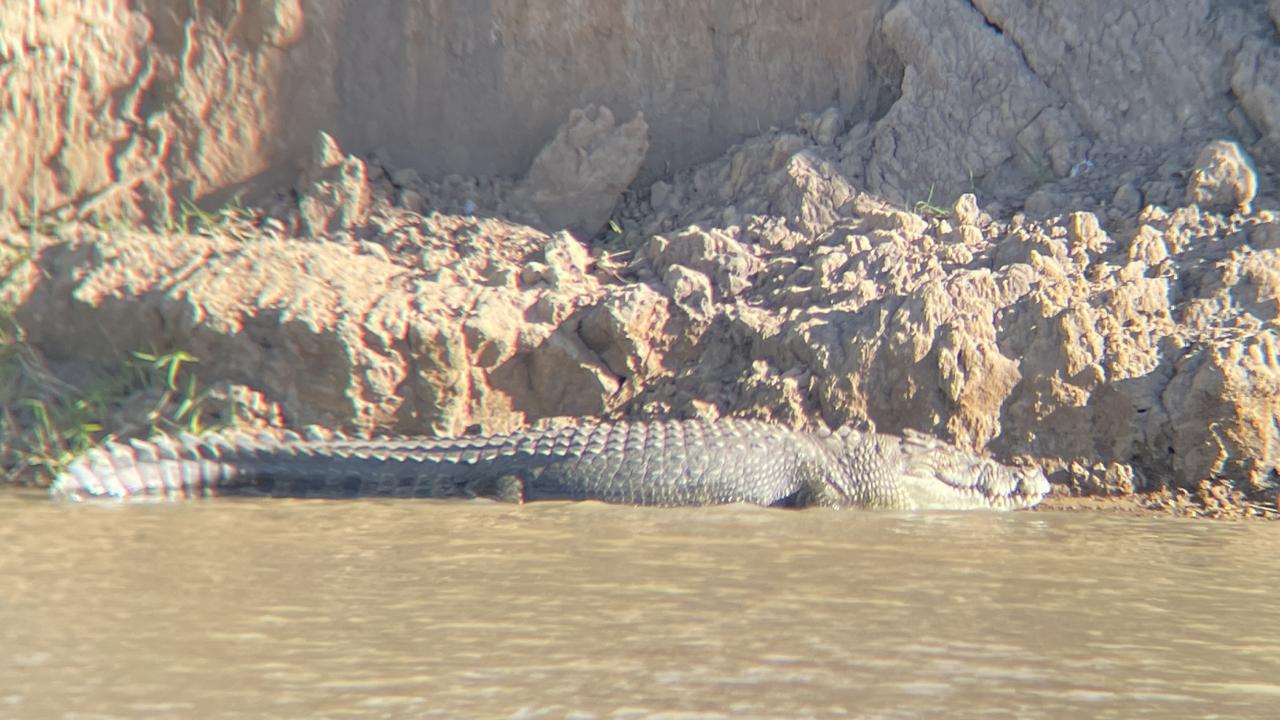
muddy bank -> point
(1053, 241)
(126, 110)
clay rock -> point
(1086, 235)
(1148, 246)
(1243, 285)
(628, 330)
(783, 176)
(782, 187)
(822, 127)
(334, 192)
(313, 323)
(1127, 200)
(811, 193)
(690, 289)
(566, 256)
(337, 337)
(713, 254)
(562, 262)
(1257, 287)
(1222, 179)
(965, 209)
(969, 105)
(1102, 478)
(576, 180)
(492, 328)
(1256, 83)
(567, 378)
(1266, 236)
(1224, 408)
(1063, 50)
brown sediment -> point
(1161, 504)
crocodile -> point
(666, 463)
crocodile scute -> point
(662, 463)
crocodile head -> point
(979, 483)
(941, 476)
(921, 472)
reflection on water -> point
(376, 609)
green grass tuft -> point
(926, 208)
(45, 423)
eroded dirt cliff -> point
(1049, 233)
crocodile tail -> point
(319, 464)
(162, 467)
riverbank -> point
(965, 243)
(1165, 503)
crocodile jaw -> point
(980, 484)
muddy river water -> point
(418, 609)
